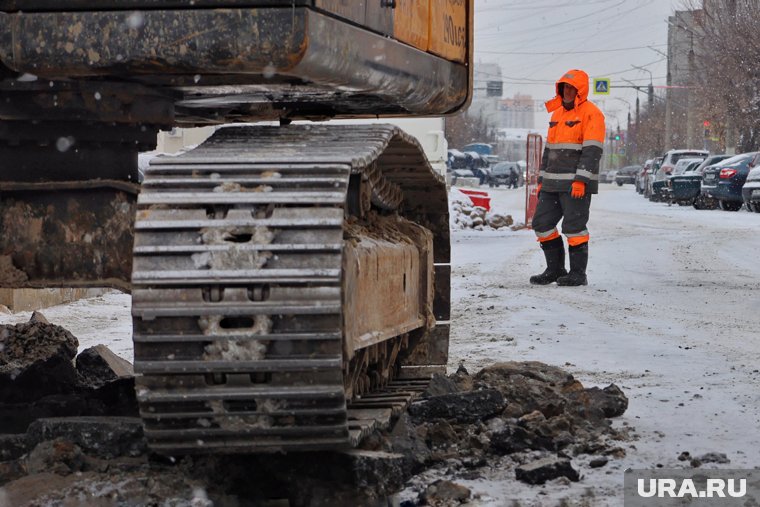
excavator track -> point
(237, 286)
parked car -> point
(724, 180)
(685, 187)
(627, 175)
(711, 160)
(677, 192)
(684, 163)
(610, 177)
(751, 190)
(478, 165)
(457, 174)
(670, 159)
(650, 177)
(456, 160)
(491, 159)
(659, 191)
(505, 173)
(679, 169)
(640, 181)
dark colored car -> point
(504, 173)
(478, 165)
(458, 174)
(685, 187)
(627, 175)
(456, 160)
(724, 180)
(659, 180)
(675, 190)
(659, 191)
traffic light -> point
(617, 137)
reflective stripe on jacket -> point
(575, 140)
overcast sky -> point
(536, 41)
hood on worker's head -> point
(576, 78)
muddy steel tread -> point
(237, 288)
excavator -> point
(289, 278)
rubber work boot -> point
(554, 251)
(578, 263)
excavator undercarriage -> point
(289, 283)
(271, 287)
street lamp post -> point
(629, 155)
(610, 112)
(638, 89)
(650, 88)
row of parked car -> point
(486, 168)
(696, 178)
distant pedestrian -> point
(512, 178)
(568, 176)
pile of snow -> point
(465, 215)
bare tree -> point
(650, 132)
(462, 129)
(728, 76)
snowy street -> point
(669, 315)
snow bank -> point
(465, 215)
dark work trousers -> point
(552, 206)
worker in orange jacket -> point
(568, 176)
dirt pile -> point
(41, 376)
(36, 360)
(531, 417)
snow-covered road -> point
(671, 315)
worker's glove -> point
(579, 190)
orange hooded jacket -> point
(575, 140)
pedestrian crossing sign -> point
(602, 86)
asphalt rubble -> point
(70, 435)
(530, 417)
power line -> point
(528, 81)
(566, 22)
(567, 52)
(590, 36)
(534, 6)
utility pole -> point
(612, 148)
(691, 139)
(629, 154)
(669, 98)
(681, 77)
(638, 124)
